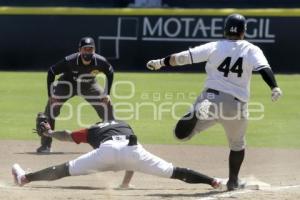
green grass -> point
(23, 94)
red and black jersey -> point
(100, 132)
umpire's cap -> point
(86, 42)
(235, 25)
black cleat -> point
(235, 185)
(43, 149)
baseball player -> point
(78, 78)
(115, 148)
(229, 66)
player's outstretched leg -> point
(149, 163)
(191, 176)
(48, 174)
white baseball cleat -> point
(216, 183)
(19, 175)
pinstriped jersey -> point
(229, 65)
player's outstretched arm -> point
(50, 80)
(54, 70)
(64, 135)
(268, 76)
(177, 59)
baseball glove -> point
(42, 124)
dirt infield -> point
(278, 167)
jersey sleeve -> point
(108, 70)
(54, 70)
(59, 67)
(80, 136)
(201, 53)
(257, 59)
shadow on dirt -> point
(119, 189)
(206, 194)
(52, 153)
(69, 187)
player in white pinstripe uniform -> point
(229, 66)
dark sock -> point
(49, 174)
(235, 161)
(185, 125)
(190, 176)
(52, 123)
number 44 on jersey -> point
(236, 67)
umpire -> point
(78, 77)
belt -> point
(216, 92)
(132, 139)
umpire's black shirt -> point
(74, 71)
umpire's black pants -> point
(62, 92)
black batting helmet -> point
(86, 42)
(235, 24)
